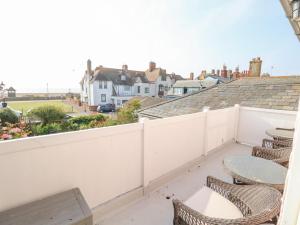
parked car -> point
(106, 108)
(3, 105)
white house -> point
(183, 87)
(108, 85)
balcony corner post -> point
(205, 110)
(236, 121)
(145, 168)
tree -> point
(47, 114)
(128, 114)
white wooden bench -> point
(68, 207)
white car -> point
(3, 105)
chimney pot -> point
(192, 76)
(125, 68)
(152, 66)
(89, 66)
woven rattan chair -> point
(281, 138)
(279, 155)
(273, 144)
(258, 204)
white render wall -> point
(168, 82)
(108, 162)
(102, 162)
(96, 97)
(290, 209)
(253, 122)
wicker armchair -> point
(279, 155)
(258, 204)
(268, 143)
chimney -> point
(237, 69)
(89, 66)
(255, 67)
(191, 76)
(152, 66)
(202, 75)
(125, 68)
(224, 71)
(229, 74)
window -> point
(86, 90)
(123, 77)
(124, 101)
(126, 88)
(103, 97)
(163, 78)
(178, 91)
(166, 88)
(138, 89)
(147, 90)
(105, 84)
(161, 88)
(100, 85)
(118, 102)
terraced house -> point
(109, 85)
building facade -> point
(109, 85)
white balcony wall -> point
(220, 127)
(108, 162)
(103, 163)
(254, 122)
(173, 142)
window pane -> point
(103, 98)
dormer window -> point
(123, 77)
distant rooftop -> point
(147, 101)
(281, 93)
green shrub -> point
(87, 119)
(128, 113)
(50, 128)
(111, 122)
(47, 114)
(69, 126)
(8, 116)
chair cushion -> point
(212, 204)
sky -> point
(50, 41)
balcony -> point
(128, 174)
(157, 206)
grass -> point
(24, 106)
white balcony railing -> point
(109, 162)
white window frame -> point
(103, 97)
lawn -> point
(24, 106)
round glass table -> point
(253, 170)
(280, 133)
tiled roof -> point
(188, 83)
(280, 93)
(114, 75)
(147, 101)
(154, 74)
